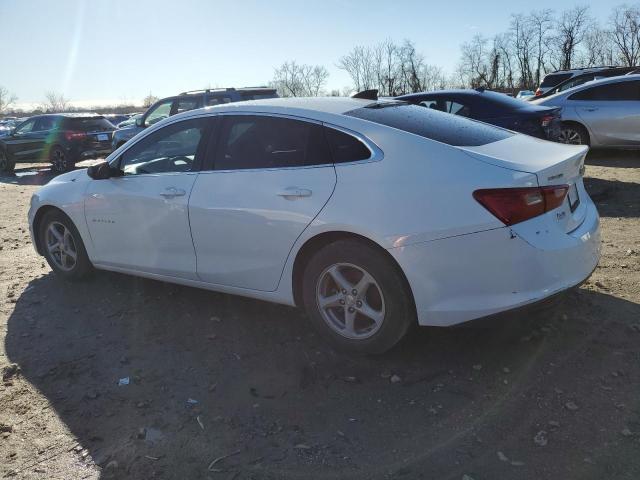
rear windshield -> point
(89, 124)
(429, 123)
(554, 79)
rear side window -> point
(554, 79)
(621, 91)
(431, 124)
(185, 104)
(254, 141)
(89, 124)
(345, 147)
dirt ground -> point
(223, 387)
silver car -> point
(601, 113)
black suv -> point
(188, 101)
(61, 138)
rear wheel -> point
(356, 297)
(573, 134)
(62, 246)
(60, 160)
(6, 164)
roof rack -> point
(222, 89)
(371, 94)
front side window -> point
(159, 112)
(186, 104)
(46, 123)
(254, 141)
(170, 149)
(217, 100)
(26, 127)
(620, 91)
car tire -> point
(59, 242)
(573, 134)
(368, 321)
(61, 161)
(7, 165)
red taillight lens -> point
(546, 120)
(515, 205)
(71, 135)
(538, 92)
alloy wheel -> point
(570, 136)
(59, 160)
(350, 301)
(61, 246)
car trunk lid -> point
(552, 163)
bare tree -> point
(360, 64)
(542, 24)
(625, 32)
(599, 48)
(570, 32)
(7, 99)
(55, 102)
(523, 37)
(294, 80)
(149, 100)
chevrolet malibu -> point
(372, 215)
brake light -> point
(72, 135)
(515, 205)
(546, 120)
(538, 92)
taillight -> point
(515, 205)
(71, 135)
(546, 120)
(538, 92)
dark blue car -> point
(494, 108)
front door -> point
(140, 221)
(271, 177)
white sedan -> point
(372, 215)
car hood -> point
(74, 176)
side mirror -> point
(140, 122)
(102, 171)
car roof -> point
(303, 106)
(584, 86)
(68, 115)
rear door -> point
(268, 178)
(611, 112)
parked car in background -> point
(116, 118)
(7, 124)
(552, 79)
(584, 78)
(62, 139)
(602, 113)
(129, 121)
(522, 94)
(406, 215)
(495, 108)
(189, 101)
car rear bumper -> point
(472, 276)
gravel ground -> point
(223, 387)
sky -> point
(118, 51)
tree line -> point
(518, 58)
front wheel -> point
(62, 246)
(357, 298)
(60, 160)
(6, 164)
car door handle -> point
(171, 192)
(591, 109)
(294, 192)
